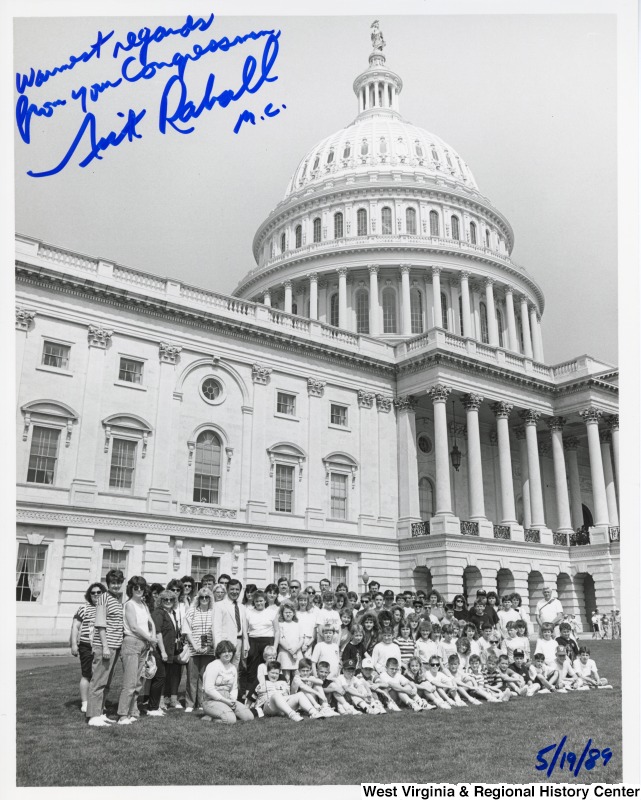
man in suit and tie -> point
(230, 622)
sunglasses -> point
(311, 591)
(97, 593)
(167, 600)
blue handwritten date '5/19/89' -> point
(176, 110)
(565, 758)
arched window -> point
(487, 238)
(444, 308)
(207, 468)
(389, 311)
(364, 147)
(333, 310)
(410, 221)
(361, 222)
(425, 499)
(484, 332)
(434, 224)
(338, 225)
(386, 220)
(362, 311)
(347, 150)
(317, 229)
(302, 175)
(499, 325)
(455, 227)
(283, 240)
(473, 232)
(330, 155)
(460, 314)
(448, 159)
(416, 310)
(294, 308)
(299, 236)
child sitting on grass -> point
(402, 691)
(567, 679)
(477, 684)
(586, 669)
(453, 669)
(441, 681)
(333, 689)
(520, 666)
(357, 692)
(494, 678)
(306, 683)
(275, 700)
(371, 678)
(428, 691)
(511, 680)
(545, 676)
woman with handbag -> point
(165, 652)
(174, 666)
(200, 646)
(139, 638)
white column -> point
(610, 491)
(374, 309)
(613, 424)
(564, 524)
(408, 504)
(511, 320)
(591, 417)
(288, 297)
(465, 302)
(519, 432)
(539, 336)
(536, 345)
(162, 468)
(508, 510)
(530, 418)
(443, 492)
(405, 300)
(472, 403)
(342, 297)
(436, 292)
(267, 298)
(313, 295)
(576, 505)
(492, 327)
(525, 324)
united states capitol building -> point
(372, 400)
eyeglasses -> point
(311, 591)
(98, 592)
(167, 600)
(434, 664)
(139, 588)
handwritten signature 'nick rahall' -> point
(176, 110)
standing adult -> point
(82, 629)
(230, 622)
(283, 590)
(260, 634)
(460, 607)
(597, 632)
(139, 636)
(549, 610)
(199, 621)
(174, 668)
(165, 651)
(187, 598)
(517, 605)
(107, 641)
(294, 590)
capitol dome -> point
(383, 232)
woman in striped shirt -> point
(198, 631)
(81, 636)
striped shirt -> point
(86, 615)
(200, 624)
(109, 615)
(407, 648)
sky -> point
(528, 101)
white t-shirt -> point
(587, 670)
(548, 611)
(548, 648)
(384, 651)
(260, 624)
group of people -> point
(606, 626)
(285, 650)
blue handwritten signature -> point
(176, 108)
(588, 759)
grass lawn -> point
(489, 743)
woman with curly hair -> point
(460, 607)
(369, 623)
(220, 689)
(82, 629)
(199, 633)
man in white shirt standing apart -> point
(549, 610)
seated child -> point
(355, 650)
(567, 679)
(494, 679)
(385, 649)
(275, 699)
(425, 647)
(357, 691)
(516, 639)
(586, 669)
(568, 641)
(428, 691)
(512, 680)
(453, 669)
(371, 678)
(545, 676)
(546, 644)
(520, 666)
(447, 644)
(402, 691)
(327, 650)
(269, 654)
(405, 643)
(477, 685)
(333, 689)
(304, 681)
(442, 681)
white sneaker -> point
(315, 714)
(188, 710)
(126, 721)
(83, 707)
(105, 718)
(157, 713)
(562, 691)
(544, 691)
(343, 711)
(605, 686)
(295, 717)
(583, 688)
(475, 702)
(98, 722)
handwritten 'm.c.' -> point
(175, 108)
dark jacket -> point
(166, 627)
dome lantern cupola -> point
(377, 89)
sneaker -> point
(126, 721)
(314, 714)
(505, 696)
(562, 691)
(605, 686)
(522, 691)
(295, 717)
(475, 702)
(83, 707)
(157, 713)
(583, 688)
(107, 719)
(444, 705)
(328, 711)
(98, 722)
(189, 709)
(343, 711)
(175, 704)
(544, 691)
(417, 707)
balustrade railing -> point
(207, 511)
(502, 532)
(533, 535)
(579, 537)
(614, 532)
(469, 528)
(420, 528)
(560, 539)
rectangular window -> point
(55, 355)
(207, 469)
(43, 456)
(338, 415)
(201, 566)
(338, 575)
(286, 404)
(123, 462)
(284, 488)
(30, 572)
(282, 569)
(113, 559)
(130, 371)
(338, 500)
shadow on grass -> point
(489, 743)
